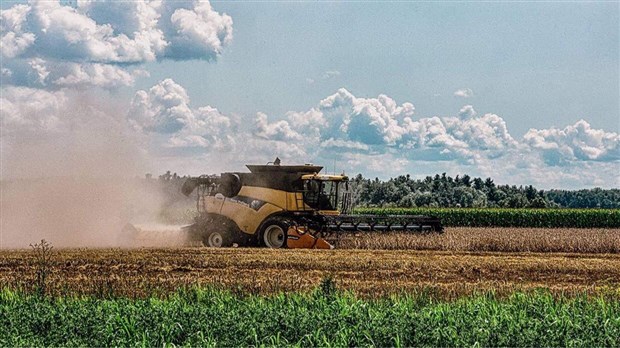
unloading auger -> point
(278, 206)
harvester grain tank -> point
(284, 206)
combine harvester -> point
(278, 206)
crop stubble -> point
(448, 273)
(571, 240)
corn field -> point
(326, 317)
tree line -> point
(465, 191)
(446, 192)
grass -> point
(208, 317)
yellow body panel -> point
(329, 212)
(289, 201)
(214, 203)
(248, 219)
(275, 197)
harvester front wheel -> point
(273, 233)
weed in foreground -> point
(42, 255)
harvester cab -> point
(280, 206)
(326, 194)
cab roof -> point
(324, 177)
(295, 169)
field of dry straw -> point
(459, 262)
(569, 240)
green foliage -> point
(207, 317)
(497, 217)
(465, 192)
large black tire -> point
(214, 231)
(273, 233)
(218, 239)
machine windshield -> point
(322, 194)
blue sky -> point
(536, 64)
(524, 92)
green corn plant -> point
(506, 217)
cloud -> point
(99, 75)
(578, 142)
(340, 144)
(488, 132)
(194, 30)
(466, 112)
(382, 123)
(330, 74)
(64, 132)
(164, 111)
(363, 130)
(13, 37)
(375, 136)
(372, 121)
(528, 166)
(115, 32)
(68, 33)
(32, 112)
(39, 73)
(46, 43)
(279, 130)
(31, 109)
(327, 75)
(464, 93)
(340, 122)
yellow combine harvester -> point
(279, 206)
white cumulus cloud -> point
(164, 110)
(376, 136)
(279, 130)
(195, 30)
(464, 93)
(467, 111)
(93, 41)
(40, 73)
(31, 109)
(372, 121)
(330, 74)
(575, 142)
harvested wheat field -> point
(449, 274)
(570, 240)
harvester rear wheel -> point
(218, 239)
(273, 233)
(213, 231)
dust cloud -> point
(78, 184)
